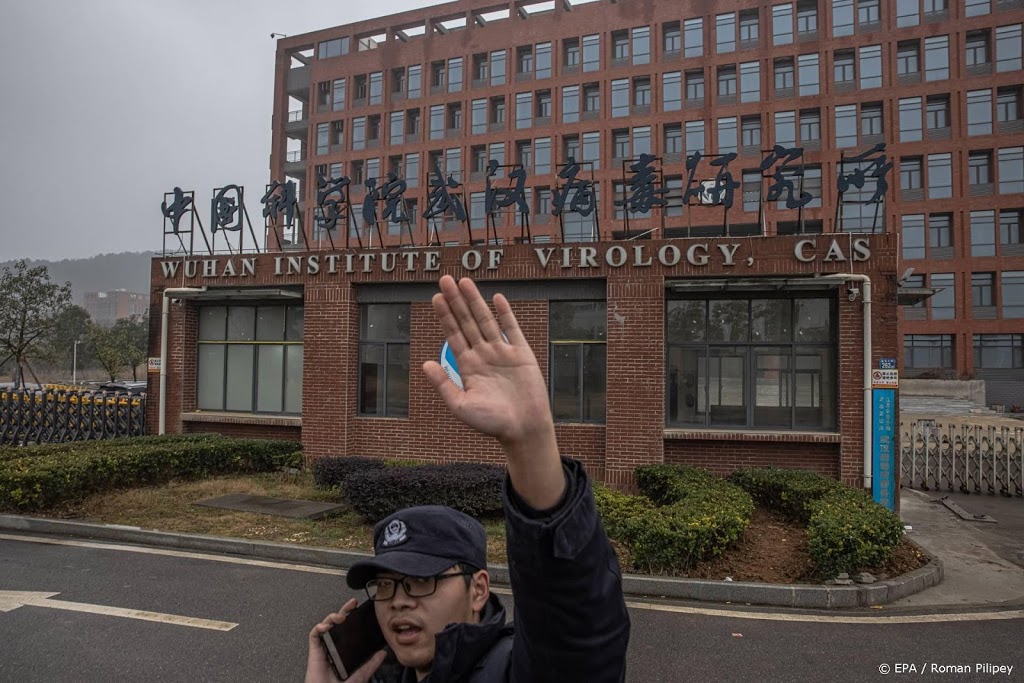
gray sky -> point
(107, 104)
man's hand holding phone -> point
(318, 669)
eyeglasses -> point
(414, 586)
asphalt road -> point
(274, 607)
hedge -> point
(40, 481)
(332, 472)
(684, 516)
(473, 488)
(846, 530)
(34, 450)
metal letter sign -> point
(883, 451)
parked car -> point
(129, 387)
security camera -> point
(176, 302)
(852, 293)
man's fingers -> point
(449, 325)
(480, 310)
(363, 673)
(439, 379)
(460, 308)
(508, 321)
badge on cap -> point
(394, 533)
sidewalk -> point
(983, 563)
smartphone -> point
(351, 643)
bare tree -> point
(29, 307)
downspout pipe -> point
(164, 319)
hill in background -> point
(105, 272)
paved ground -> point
(275, 605)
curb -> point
(777, 595)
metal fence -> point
(55, 416)
(966, 458)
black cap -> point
(422, 541)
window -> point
(571, 146)
(927, 351)
(999, 351)
(936, 113)
(359, 133)
(871, 125)
(396, 129)
(910, 119)
(524, 154)
(976, 48)
(543, 67)
(498, 110)
(376, 87)
(871, 66)
(807, 18)
(944, 301)
(524, 60)
(727, 135)
(936, 7)
(453, 162)
(868, 15)
(437, 122)
(727, 81)
(845, 67)
(338, 95)
(979, 168)
(936, 58)
(592, 147)
(641, 141)
(497, 67)
(1008, 104)
(977, 8)
(940, 231)
(785, 128)
(1010, 223)
(620, 97)
(979, 112)
(542, 156)
(750, 82)
(455, 74)
(642, 91)
(983, 233)
(912, 236)
(672, 142)
(782, 24)
(332, 48)
(571, 52)
(1011, 170)
(384, 360)
(982, 289)
(249, 359)
(751, 362)
(842, 18)
(478, 113)
(642, 45)
(809, 74)
(620, 46)
(749, 32)
(620, 144)
(592, 98)
(671, 37)
(578, 359)
(323, 138)
(412, 169)
(672, 91)
(570, 104)
(524, 110)
(846, 125)
(694, 85)
(415, 80)
(1013, 293)
(694, 137)
(750, 129)
(455, 116)
(810, 126)
(785, 76)
(693, 37)
(544, 104)
(908, 58)
(591, 53)
(1008, 47)
(910, 173)
(908, 13)
(940, 176)
(725, 33)
(752, 182)
(856, 213)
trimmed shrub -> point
(333, 471)
(790, 492)
(12, 452)
(686, 515)
(848, 532)
(469, 487)
(38, 482)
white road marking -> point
(10, 600)
(679, 609)
(175, 553)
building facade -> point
(106, 308)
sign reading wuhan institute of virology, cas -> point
(884, 381)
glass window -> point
(437, 122)
(913, 236)
(846, 126)
(750, 82)
(620, 97)
(542, 156)
(725, 33)
(672, 91)
(592, 147)
(571, 50)
(727, 135)
(570, 104)
(497, 66)
(908, 13)
(591, 53)
(810, 126)
(750, 128)
(376, 87)
(479, 116)
(249, 359)
(642, 91)
(782, 24)
(524, 109)
(785, 128)
(871, 120)
(455, 74)
(332, 48)
(936, 58)
(936, 115)
(543, 68)
(726, 81)
(642, 45)
(578, 360)
(908, 58)
(809, 74)
(752, 182)
(868, 13)
(1010, 222)
(785, 74)
(749, 27)
(1013, 293)
(910, 119)
(359, 133)
(944, 301)
(1008, 47)
(979, 112)
(694, 85)
(940, 176)
(641, 140)
(977, 8)
(976, 48)
(983, 233)
(927, 351)
(807, 17)
(396, 129)
(911, 173)
(979, 168)
(323, 138)
(762, 362)
(940, 230)
(338, 95)
(1008, 104)
(693, 37)
(673, 139)
(842, 18)
(1011, 170)
(845, 67)
(415, 80)
(412, 169)
(384, 360)
(871, 66)
(694, 137)
(982, 289)
(999, 351)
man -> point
(571, 622)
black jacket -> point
(571, 622)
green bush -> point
(848, 532)
(41, 481)
(13, 452)
(685, 515)
(469, 487)
(790, 492)
(332, 472)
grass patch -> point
(169, 507)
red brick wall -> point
(244, 431)
(722, 457)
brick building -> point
(106, 308)
(637, 374)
